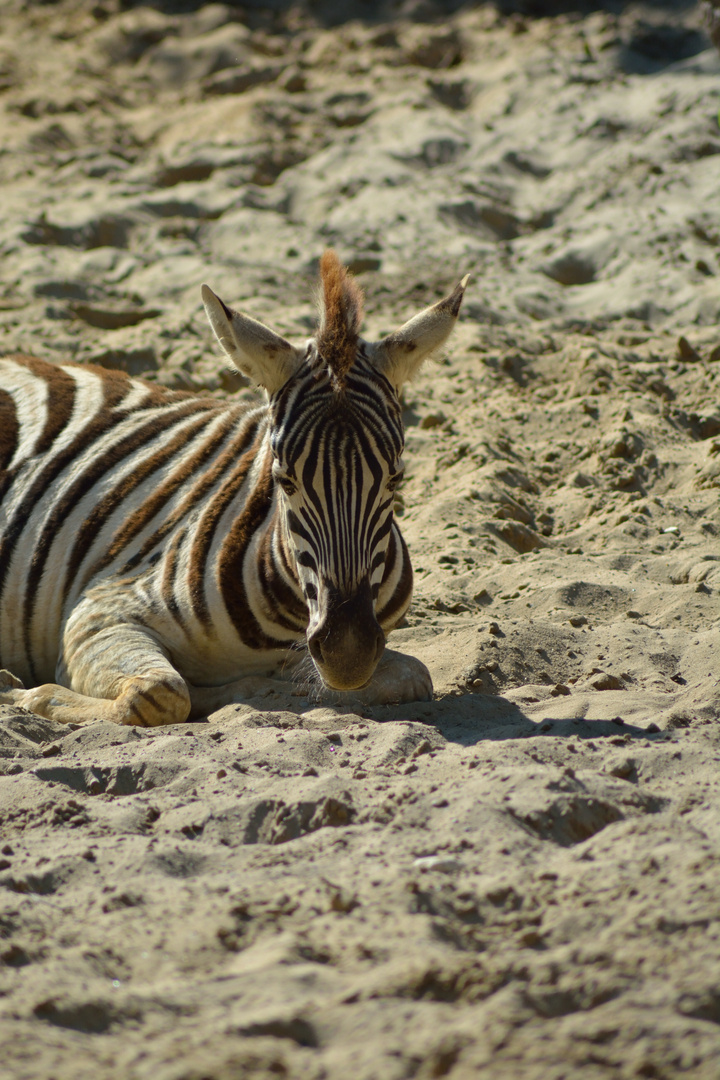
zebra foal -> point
(157, 548)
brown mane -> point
(340, 317)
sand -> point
(520, 879)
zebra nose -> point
(348, 641)
(322, 649)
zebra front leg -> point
(8, 682)
(119, 673)
(398, 678)
(205, 700)
(274, 680)
(145, 701)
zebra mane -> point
(341, 310)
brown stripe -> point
(167, 587)
(147, 696)
(115, 390)
(188, 464)
(399, 600)
(100, 466)
(163, 684)
(61, 398)
(206, 528)
(120, 384)
(194, 497)
(103, 510)
(9, 432)
(231, 559)
(284, 605)
(134, 709)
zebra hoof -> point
(397, 679)
(8, 684)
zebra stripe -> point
(339, 463)
(157, 545)
(107, 479)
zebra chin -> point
(349, 667)
(347, 641)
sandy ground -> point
(520, 879)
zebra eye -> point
(286, 484)
(395, 480)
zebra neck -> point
(255, 572)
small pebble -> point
(422, 748)
(444, 864)
(605, 681)
(624, 770)
(686, 352)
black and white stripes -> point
(153, 543)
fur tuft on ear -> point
(400, 355)
(261, 354)
(341, 310)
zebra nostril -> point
(315, 648)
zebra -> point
(158, 548)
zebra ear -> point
(254, 349)
(400, 354)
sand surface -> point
(520, 879)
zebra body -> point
(135, 530)
(156, 544)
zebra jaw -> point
(346, 641)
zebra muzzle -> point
(348, 642)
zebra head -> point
(336, 437)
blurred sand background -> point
(520, 879)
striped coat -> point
(156, 547)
